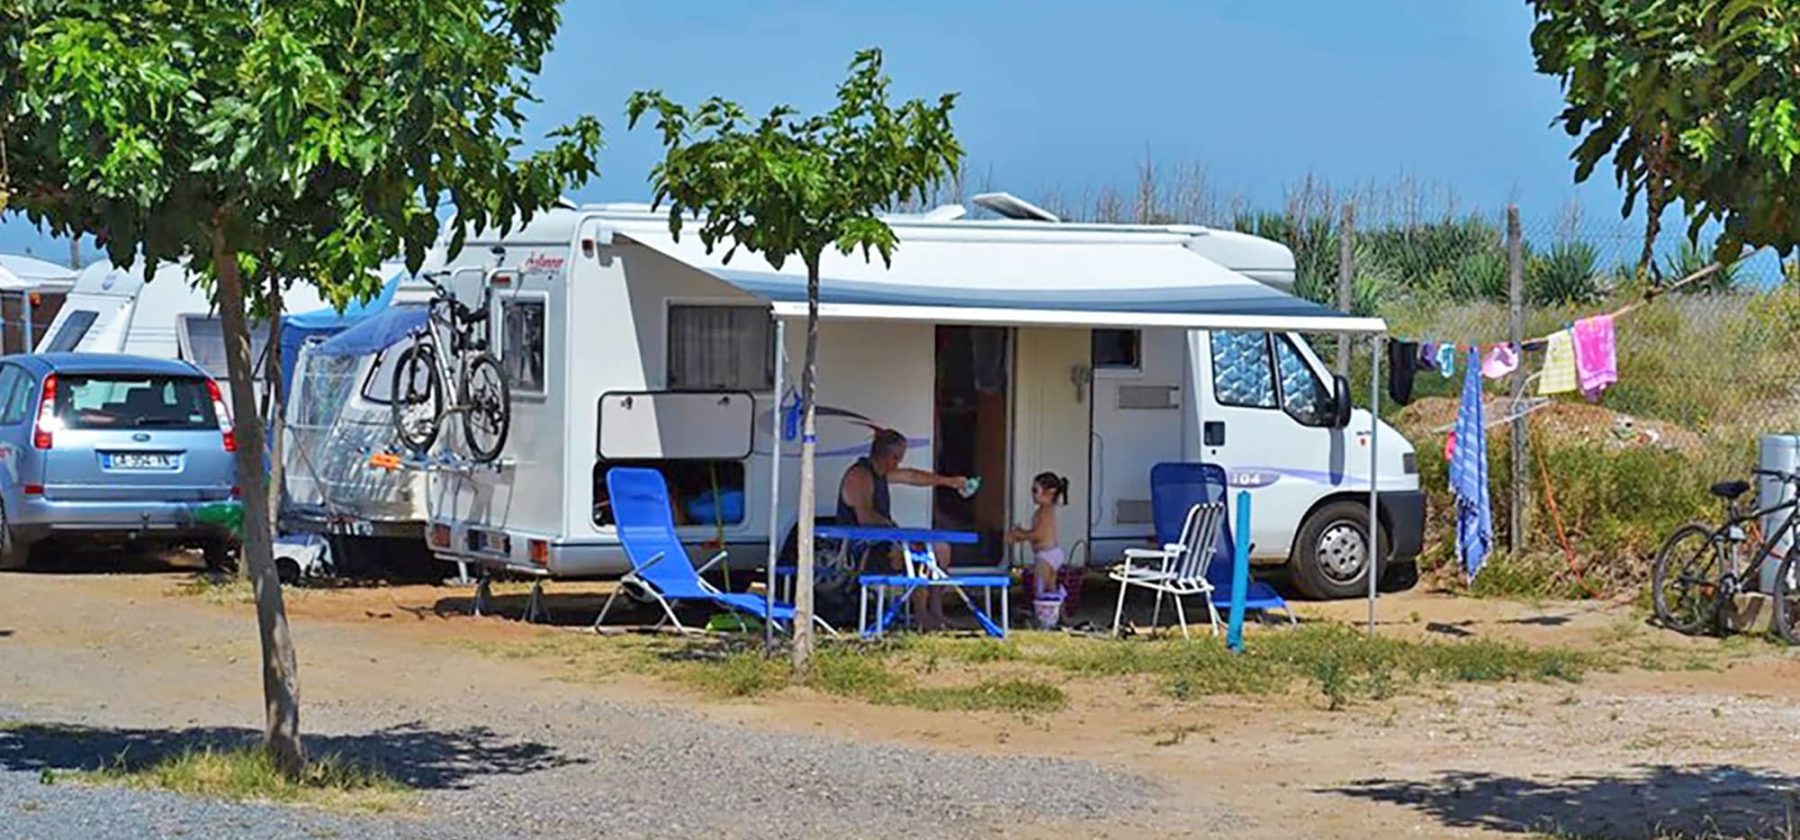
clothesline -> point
(1648, 298)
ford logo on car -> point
(141, 437)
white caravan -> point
(113, 310)
(340, 416)
(999, 348)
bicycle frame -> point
(449, 328)
(1734, 517)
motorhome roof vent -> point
(1013, 207)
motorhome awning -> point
(1038, 278)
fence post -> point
(1520, 501)
(1346, 297)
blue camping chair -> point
(1175, 488)
(659, 564)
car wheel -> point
(14, 554)
(1331, 552)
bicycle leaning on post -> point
(1700, 569)
(450, 349)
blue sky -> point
(1072, 95)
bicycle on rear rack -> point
(449, 352)
(1700, 570)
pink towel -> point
(1501, 360)
(1596, 364)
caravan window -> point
(202, 342)
(1303, 396)
(522, 343)
(73, 329)
(1242, 375)
(721, 348)
(1118, 349)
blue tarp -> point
(375, 333)
(300, 326)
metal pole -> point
(1374, 475)
(1520, 498)
(1346, 296)
(26, 299)
(774, 484)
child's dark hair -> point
(1052, 481)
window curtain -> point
(720, 348)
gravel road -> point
(492, 753)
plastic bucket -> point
(1048, 608)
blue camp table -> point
(921, 572)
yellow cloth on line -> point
(1559, 365)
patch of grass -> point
(1338, 662)
(247, 773)
(217, 589)
(872, 674)
(1019, 696)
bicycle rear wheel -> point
(1787, 600)
(1684, 582)
(417, 397)
(488, 408)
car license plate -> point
(141, 460)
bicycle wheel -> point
(417, 397)
(487, 402)
(1787, 600)
(1684, 583)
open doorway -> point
(973, 398)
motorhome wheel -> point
(1331, 552)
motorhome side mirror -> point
(1340, 409)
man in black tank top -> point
(863, 499)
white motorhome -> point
(114, 310)
(1000, 348)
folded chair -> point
(1177, 569)
(659, 564)
(1175, 487)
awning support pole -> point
(1374, 568)
(30, 346)
(775, 481)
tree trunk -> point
(276, 408)
(803, 574)
(281, 678)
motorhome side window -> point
(1118, 349)
(721, 348)
(1303, 396)
(73, 329)
(1242, 375)
(522, 350)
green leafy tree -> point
(786, 186)
(1695, 101)
(271, 143)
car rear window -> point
(129, 401)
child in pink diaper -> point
(1048, 491)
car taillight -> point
(225, 427)
(41, 435)
(540, 552)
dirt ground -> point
(1631, 753)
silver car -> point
(119, 449)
